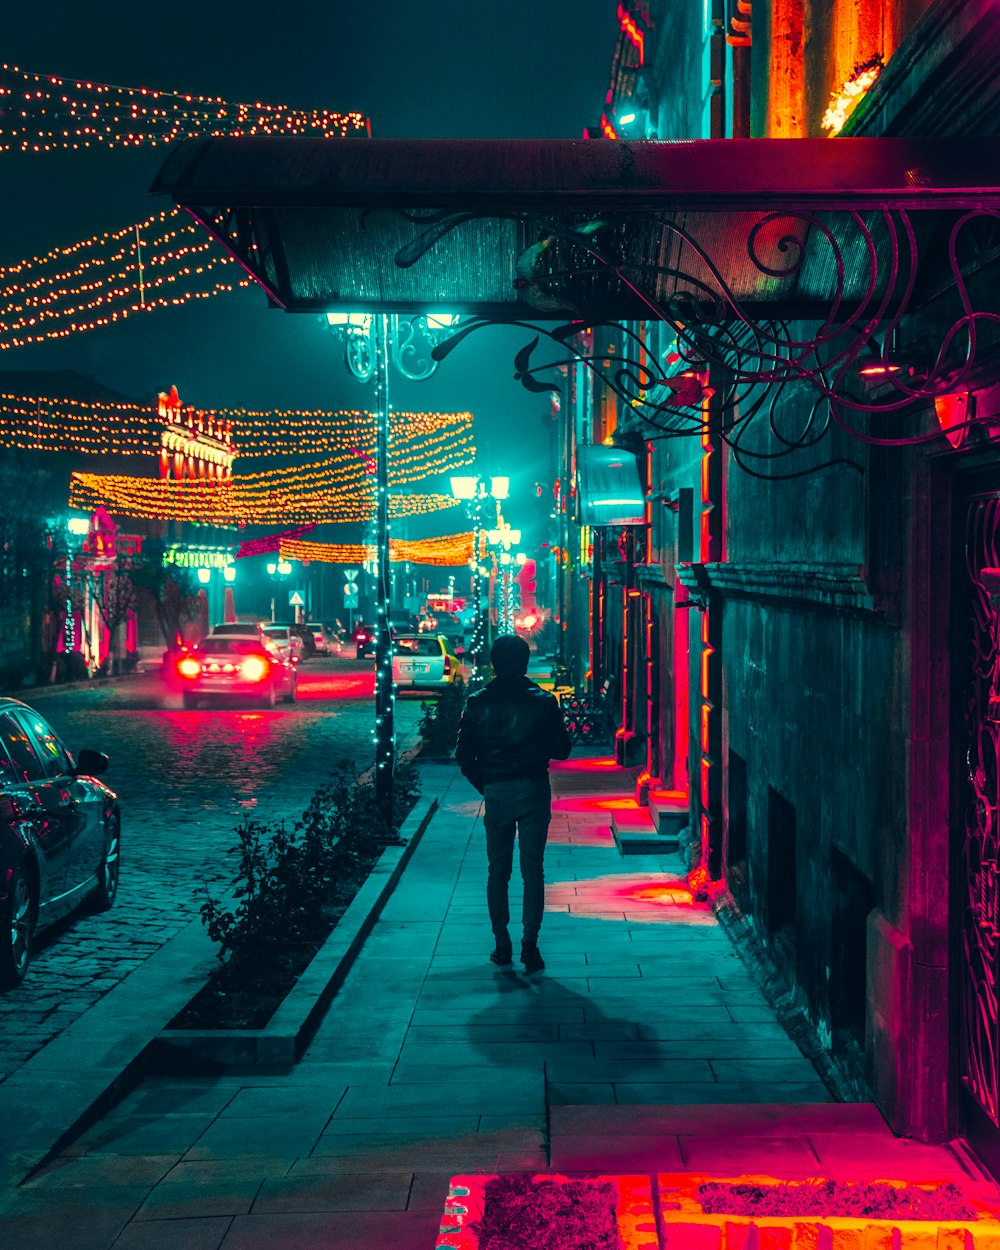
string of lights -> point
(449, 550)
(45, 113)
(92, 427)
(162, 262)
(231, 502)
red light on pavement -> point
(255, 668)
(188, 667)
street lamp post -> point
(473, 491)
(277, 572)
(370, 343)
(502, 539)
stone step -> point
(635, 833)
(669, 811)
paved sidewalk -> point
(627, 1054)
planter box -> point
(284, 1038)
(685, 1226)
(466, 1194)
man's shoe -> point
(531, 957)
(502, 956)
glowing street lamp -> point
(370, 343)
(473, 491)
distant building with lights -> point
(54, 610)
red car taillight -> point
(188, 667)
(447, 665)
(255, 668)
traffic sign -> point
(295, 599)
(350, 595)
(350, 575)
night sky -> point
(517, 69)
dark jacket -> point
(511, 728)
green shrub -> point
(291, 884)
(439, 721)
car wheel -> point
(107, 889)
(188, 699)
(268, 699)
(293, 686)
(18, 928)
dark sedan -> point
(60, 840)
(240, 668)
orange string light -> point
(46, 113)
(449, 550)
(229, 501)
(101, 427)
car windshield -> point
(245, 630)
(277, 631)
(231, 646)
(418, 646)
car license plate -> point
(412, 666)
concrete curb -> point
(81, 1073)
(284, 1038)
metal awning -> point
(550, 229)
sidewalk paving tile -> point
(90, 1171)
(617, 1154)
(643, 1047)
(240, 1135)
(790, 1157)
(411, 1230)
(335, 1191)
(202, 1199)
(194, 1234)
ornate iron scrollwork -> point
(867, 264)
(980, 902)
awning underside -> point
(557, 229)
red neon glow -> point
(953, 413)
(593, 764)
(588, 803)
(632, 32)
(639, 898)
(188, 667)
(682, 694)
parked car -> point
(449, 626)
(238, 629)
(364, 640)
(302, 632)
(237, 668)
(424, 662)
(286, 640)
(319, 637)
(60, 840)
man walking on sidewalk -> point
(508, 733)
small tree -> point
(113, 592)
(173, 591)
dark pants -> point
(523, 806)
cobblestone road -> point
(184, 779)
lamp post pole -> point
(371, 341)
(385, 719)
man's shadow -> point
(548, 1015)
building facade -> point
(801, 634)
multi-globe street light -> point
(277, 571)
(371, 343)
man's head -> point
(509, 656)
